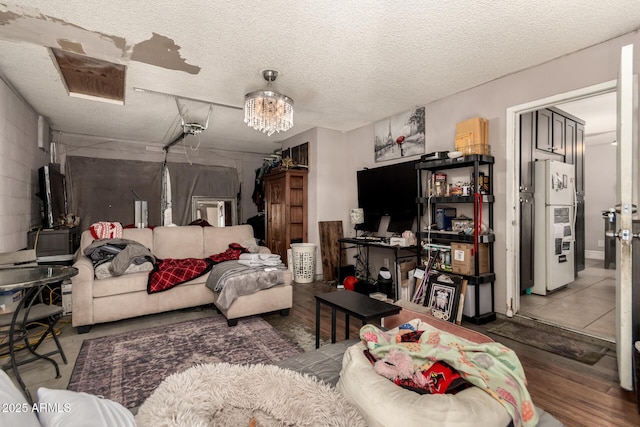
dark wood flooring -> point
(575, 393)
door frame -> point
(513, 170)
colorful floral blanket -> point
(170, 272)
(491, 366)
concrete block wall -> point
(20, 159)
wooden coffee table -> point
(353, 304)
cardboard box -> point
(404, 267)
(463, 258)
(472, 136)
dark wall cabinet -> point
(549, 133)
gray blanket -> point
(232, 279)
(121, 253)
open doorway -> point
(587, 304)
(580, 305)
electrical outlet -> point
(601, 243)
(386, 262)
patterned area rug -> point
(128, 367)
(565, 346)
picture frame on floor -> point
(443, 296)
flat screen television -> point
(398, 224)
(388, 190)
(371, 222)
(53, 193)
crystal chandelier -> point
(268, 111)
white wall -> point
(587, 67)
(20, 159)
(600, 189)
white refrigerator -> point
(554, 222)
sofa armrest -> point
(82, 292)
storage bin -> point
(9, 300)
(304, 262)
(484, 300)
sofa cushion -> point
(217, 239)
(134, 282)
(178, 242)
(144, 236)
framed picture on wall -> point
(295, 154)
(304, 154)
(399, 136)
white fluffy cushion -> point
(64, 408)
(14, 409)
(383, 403)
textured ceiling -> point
(345, 63)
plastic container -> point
(304, 262)
(9, 300)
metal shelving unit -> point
(476, 281)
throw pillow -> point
(64, 408)
(106, 230)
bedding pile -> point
(490, 366)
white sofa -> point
(115, 298)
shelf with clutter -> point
(455, 195)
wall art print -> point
(399, 136)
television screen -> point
(53, 193)
(400, 223)
(371, 222)
(388, 190)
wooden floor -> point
(575, 393)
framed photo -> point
(304, 154)
(286, 153)
(399, 136)
(443, 296)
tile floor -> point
(586, 305)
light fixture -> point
(268, 111)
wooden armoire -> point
(285, 209)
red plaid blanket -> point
(170, 272)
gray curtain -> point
(103, 189)
(199, 180)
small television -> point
(371, 222)
(400, 223)
(53, 193)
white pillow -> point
(64, 408)
(14, 408)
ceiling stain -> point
(162, 52)
(70, 46)
(7, 17)
(24, 24)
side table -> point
(354, 304)
(32, 281)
